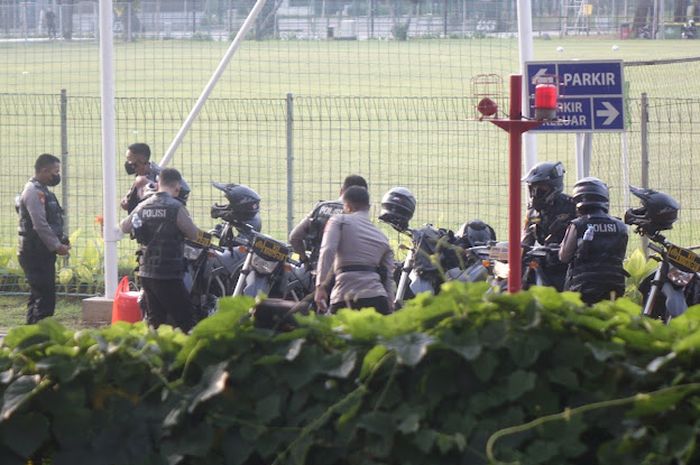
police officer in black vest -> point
(307, 235)
(549, 213)
(594, 245)
(41, 236)
(160, 224)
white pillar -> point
(526, 52)
(109, 172)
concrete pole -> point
(109, 170)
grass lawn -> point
(13, 312)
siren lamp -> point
(546, 102)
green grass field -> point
(399, 113)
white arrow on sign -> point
(539, 75)
(609, 113)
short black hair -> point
(140, 148)
(354, 180)
(44, 160)
(357, 197)
(170, 177)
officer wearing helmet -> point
(306, 237)
(358, 254)
(138, 162)
(594, 245)
(160, 224)
(549, 212)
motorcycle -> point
(675, 284)
(430, 260)
(265, 267)
(534, 259)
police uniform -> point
(40, 235)
(160, 224)
(359, 256)
(307, 235)
(595, 264)
(137, 191)
(549, 227)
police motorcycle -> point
(534, 260)
(212, 270)
(420, 270)
(675, 284)
(474, 238)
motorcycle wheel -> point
(209, 305)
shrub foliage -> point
(459, 378)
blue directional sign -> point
(590, 94)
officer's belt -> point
(347, 268)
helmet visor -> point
(539, 190)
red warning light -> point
(545, 102)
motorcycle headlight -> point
(500, 270)
(679, 278)
(191, 252)
(263, 266)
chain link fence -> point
(296, 150)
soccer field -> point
(399, 113)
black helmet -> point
(591, 193)
(475, 232)
(398, 206)
(545, 181)
(658, 211)
(243, 203)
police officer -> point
(549, 213)
(138, 162)
(307, 235)
(41, 236)
(359, 256)
(594, 245)
(160, 224)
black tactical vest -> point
(163, 242)
(599, 261)
(551, 224)
(54, 217)
(319, 217)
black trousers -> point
(40, 271)
(380, 303)
(167, 302)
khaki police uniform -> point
(359, 256)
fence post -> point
(644, 132)
(64, 164)
(290, 162)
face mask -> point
(55, 179)
(130, 168)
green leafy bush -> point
(459, 378)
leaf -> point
(213, 383)
(519, 383)
(563, 376)
(371, 359)
(378, 422)
(650, 404)
(294, 349)
(467, 345)
(236, 450)
(268, 408)
(348, 360)
(65, 276)
(25, 434)
(410, 424)
(425, 439)
(603, 350)
(410, 348)
(18, 392)
(485, 365)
